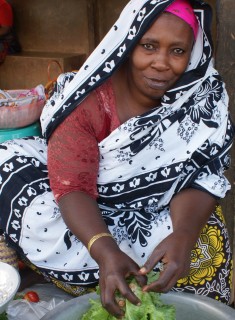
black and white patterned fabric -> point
(143, 163)
(133, 22)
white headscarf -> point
(133, 22)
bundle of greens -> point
(3, 316)
(151, 308)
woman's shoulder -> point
(100, 100)
(100, 106)
(95, 112)
(105, 96)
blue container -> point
(9, 134)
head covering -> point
(184, 10)
(133, 22)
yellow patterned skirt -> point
(211, 262)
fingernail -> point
(143, 270)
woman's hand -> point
(174, 252)
(190, 210)
(115, 267)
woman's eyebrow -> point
(154, 40)
(149, 39)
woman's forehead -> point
(169, 25)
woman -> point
(138, 141)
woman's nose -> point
(160, 61)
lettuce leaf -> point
(3, 316)
(151, 308)
(96, 311)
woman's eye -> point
(178, 51)
(148, 46)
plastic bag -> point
(50, 297)
(20, 108)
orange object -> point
(31, 296)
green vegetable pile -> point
(151, 308)
(3, 316)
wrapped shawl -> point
(191, 126)
(135, 19)
(143, 163)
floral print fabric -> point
(211, 264)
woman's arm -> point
(73, 161)
(190, 210)
(83, 217)
(73, 167)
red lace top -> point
(73, 154)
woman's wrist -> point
(188, 238)
(102, 248)
(97, 237)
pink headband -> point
(184, 10)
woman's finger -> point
(171, 273)
(152, 261)
(127, 293)
(109, 302)
(141, 279)
(108, 298)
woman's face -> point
(160, 58)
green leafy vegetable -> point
(3, 316)
(151, 308)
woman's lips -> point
(157, 84)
